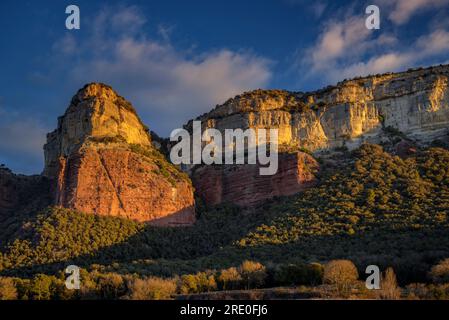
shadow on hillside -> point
(176, 248)
(410, 252)
(21, 200)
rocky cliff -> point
(415, 102)
(242, 185)
(101, 160)
(95, 114)
(412, 105)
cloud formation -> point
(22, 142)
(167, 85)
(346, 48)
(402, 10)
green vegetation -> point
(109, 285)
(108, 139)
(165, 168)
(377, 209)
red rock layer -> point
(244, 186)
(118, 182)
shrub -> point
(315, 273)
(8, 290)
(427, 291)
(41, 287)
(389, 289)
(197, 283)
(298, 274)
(230, 279)
(108, 139)
(111, 286)
(440, 272)
(340, 273)
(152, 288)
(253, 274)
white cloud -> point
(167, 85)
(21, 142)
(346, 49)
(66, 45)
(340, 38)
(165, 31)
(24, 136)
(400, 11)
(375, 65)
(340, 42)
(423, 48)
(435, 43)
(317, 7)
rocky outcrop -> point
(96, 114)
(101, 158)
(415, 103)
(119, 182)
(101, 161)
(243, 185)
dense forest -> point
(370, 207)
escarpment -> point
(415, 103)
(412, 105)
(101, 161)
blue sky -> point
(175, 60)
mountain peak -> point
(100, 160)
(96, 115)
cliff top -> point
(98, 90)
(97, 115)
(275, 99)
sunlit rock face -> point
(414, 102)
(101, 161)
(96, 112)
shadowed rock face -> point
(22, 194)
(101, 161)
(96, 113)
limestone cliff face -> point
(101, 161)
(414, 102)
(95, 113)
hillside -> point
(379, 209)
(372, 188)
